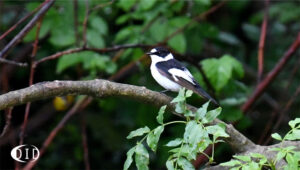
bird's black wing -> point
(165, 66)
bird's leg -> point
(164, 91)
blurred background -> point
(217, 40)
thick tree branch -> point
(104, 88)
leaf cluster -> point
(258, 161)
(197, 136)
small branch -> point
(5, 61)
(54, 132)
(31, 77)
(7, 122)
(86, 16)
(84, 142)
(197, 18)
(261, 87)
(98, 50)
(75, 10)
(262, 42)
(20, 21)
(27, 28)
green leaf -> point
(170, 165)
(91, 62)
(67, 61)
(251, 31)
(229, 38)
(160, 116)
(45, 28)
(62, 37)
(188, 151)
(138, 132)
(236, 65)
(231, 163)
(126, 5)
(177, 22)
(154, 136)
(257, 155)
(178, 43)
(180, 97)
(99, 25)
(212, 115)
(243, 158)
(293, 123)
(147, 4)
(175, 142)
(129, 158)
(292, 162)
(188, 93)
(220, 71)
(122, 19)
(95, 39)
(193, 133)
(254, 166)
(180, 107)
(185, 164)
(280, 155)
(217, 131)
(294, 135)
(160, 25)
(276, 136)
(123, 34)
(203, 2)
(200, 113)
(141, 157)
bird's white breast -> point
(163, 81)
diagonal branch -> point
(261, 87)
(26, 29)
(261, 45)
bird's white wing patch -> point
(188, 72)
(183, 74)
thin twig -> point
(75, 9)
(7, 122)
(284, 111)
(53, 133)
(261, 87)
(21, 20)
(86, 16)
(293, 73)
(31, 77)
(261, 45)
(26, 29)
(98, 50)
(5, 61)
(197, 18)
(84, 141)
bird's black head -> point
(159, 51)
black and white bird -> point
(172, 75)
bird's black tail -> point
(198, 90)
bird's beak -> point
(149, 53)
